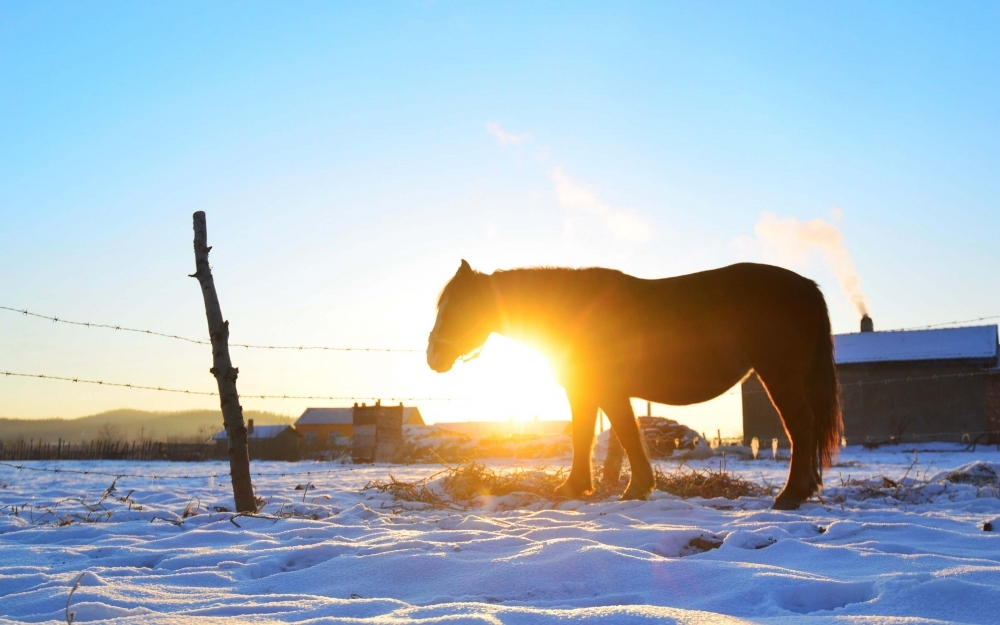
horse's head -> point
(464, 320)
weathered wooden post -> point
(225, 373)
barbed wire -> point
(209, 393)
(859, 383)
(121, 328)
(185, 339)
(946, 323)
(155, 476)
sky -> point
(348, 155)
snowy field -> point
(872, 551)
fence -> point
(108, 450)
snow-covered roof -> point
(259, 432)
(972, 343)
(326, 416)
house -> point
(326, 428)
(333, 428)
(906, 386)
(266, 442)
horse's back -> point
(749, 295)
(707, 329)
(778, 317)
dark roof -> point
(345, 416)
(326, 416)
(976, 343)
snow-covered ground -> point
(873, 551)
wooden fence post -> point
(225, 373)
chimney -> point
(866, 324)
(649, 409)
(249, 427)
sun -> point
(515, 381)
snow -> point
(259, 432)
(894, 539)
(972, 343)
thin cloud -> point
(624, 224)
(505, 138)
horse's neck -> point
(534, 307)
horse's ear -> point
(465, 267)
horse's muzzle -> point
(437, 361)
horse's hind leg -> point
(792, 404)
(622, 419)
(580, 480)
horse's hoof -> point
(636, 494)
(786, 504)
(627, 496)
(569, 491)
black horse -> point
(609, 337)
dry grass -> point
(474, 479)
(707, 484)
(462, 484)
(407, 491)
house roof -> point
(411, 416)
(259, 432)
(977, 343)
(326, 416)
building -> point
(334, 428)
(378, 433)
(906, 386)
(326, 428)
(266, 442)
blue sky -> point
(344, 156)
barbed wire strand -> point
(946, 323)
(210, 393)
(214, 475)
(939, 376)
(121, 328)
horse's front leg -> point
(580, 481)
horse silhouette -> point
(609, 337)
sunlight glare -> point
(515, 380)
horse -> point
(609, 337)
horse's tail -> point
(824, 398)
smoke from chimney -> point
(793, 242)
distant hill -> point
(128, 425)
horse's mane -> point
(546, 271)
